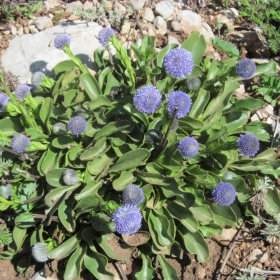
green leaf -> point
(234, 120)
(100, 146)
(51, 160)
(200, 103)
(183, 215)
(91, 188)
(147, 272)
(210, 229)
(125, 179)
(11, 126)
(46, 111)
(54, 177)
(195, 44)
(96, 263)
(202, 213)
(130, 160)
(271, 202)
(273, 169)
(100, 164)
(135, 113)
(221, 101)
(87, 204)
(111, 128)
(19, 235)
(112, 84)
(63, 66)
(110, 244)
(168, 271)
(64, 142)
(195, 244)
(24, 220)
(65, 249)
(223, 215)
(91, 86)
(74, 264)
(65, 214)
(225, 46)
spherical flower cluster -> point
(147, 99)
(40, 252)
(105, 34)
(188, 147)
(77, 125)
(61, 40)
(246, 68)
(193, 84)
(19, 143)
(6, 191)
(4, 99)
(224, 194)
(37, 78)
(59, 128)
(70, 177)
(248, 144)
(180, 100)
(132, 194)
(178, 63)
(153, 136)
(21, 91)
(127, 219)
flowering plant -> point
(137, 149)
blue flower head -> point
(19, 143)
(127, 219)
(193, 84)
(248, 144)
(61, 40)
(105, 34)
(37, 78)
(180, 100)
(4, 99)
(224, 194)
(40, 252)
(133, 194)
(147, 99)
(178, 63)
(77, 125)
(246, 68)
(6, 191)
(21, 91)
(70, 177)
(188, 147)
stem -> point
(32, 199)
(110, 57)
(164, 142)
(15, 153)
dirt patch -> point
(8, 272)
(137, 238)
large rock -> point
(164, 9)
(190, 21)
(30, 53)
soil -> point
(233, 257)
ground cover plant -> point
(145, 159)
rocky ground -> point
(171, 22)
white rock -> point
(176, 26)
(269, 109)
(43, 23)
(255, 118)
(20, 31)
(125, 28)
(258, 255)
(231, 14)
(26, 30)
(121, 8)
(226, 236)
(162, 30)
(88, 5)
(71, 6)
(172, 40)
(138, 4)
(164, 9)
(30, 22)
(158, 22)
(13, 30)
(50, 15)
(189, 20)
(206, 31)
(33, 29)
(6, 32)
(148, 14)
(49, 4)
(37, 52)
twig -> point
(32, 199)
(121, 270)
(230, 250)
(23, 156)
(276, 129)
(154, 78)
(255, 271)
(40, 216)
(137, 21)
(196, 270)
(27, 174)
